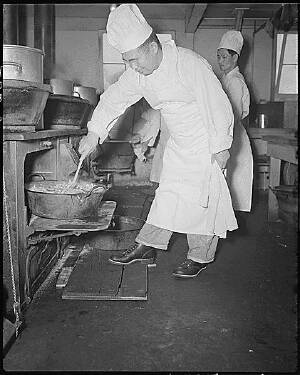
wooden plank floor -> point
(95, 278)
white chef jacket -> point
(240, 165)
(193, 195)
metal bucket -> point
(120, 234)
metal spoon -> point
(73, 183)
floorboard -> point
(95, 278)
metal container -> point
(119, 235)
(115, 155)
(62, 86)
(269, 114)
(22, 63)
(58, 205)
(88, 93)
(23, 103)
(66, 112)
(262, 121)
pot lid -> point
(5, 46)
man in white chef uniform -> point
(193, 195)
(239, 173)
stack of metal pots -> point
(69, 106)
(24, 94)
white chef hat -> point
(127, 28)
(233, 40)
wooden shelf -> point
(41, 134)
(259, 133)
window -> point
(286, 70)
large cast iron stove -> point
(37, 243)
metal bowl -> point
(59, 205)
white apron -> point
(192, 196)
(239, 172)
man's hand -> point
(139, 147)
(135, 139)
(222, 158)
(88, 144)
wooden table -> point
(279, 149)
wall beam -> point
(194, 17)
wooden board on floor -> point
(134, 282)
(95, 278)
(69, 260)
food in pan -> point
(62, 187)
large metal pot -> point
(61, 86)
(88, 93)
(58, 205)
(23, 103)
(67, 112)
(22, 63)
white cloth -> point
(193, 195)
(240, 165)
(154, 128)
(233, 40)
(147, 134)
(127, 28)
(157, 161)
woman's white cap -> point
(233, 40)
(127, 28)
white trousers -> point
(202, 248)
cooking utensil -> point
(44, 200)
(88, 93)
(73, 183)
(22, 63)
(73, 153)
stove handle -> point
(46, 144)
(35, 174)
(18, 66)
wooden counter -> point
(41, 134)
(258, 141)
(259, 132)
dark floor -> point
(239, 315)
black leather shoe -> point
(136, 253)
(189, 268)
